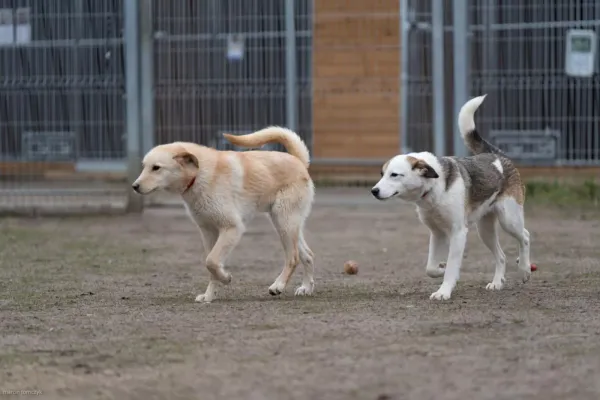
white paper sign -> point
(7, 28)
(15, 27)
(235, 47)
(23, 25)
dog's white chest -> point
(435, 219)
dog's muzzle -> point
(377, 194)
(136, 187)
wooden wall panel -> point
(356, 69)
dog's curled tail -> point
(273, 134)
(466, 125)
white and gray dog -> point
(453, 193)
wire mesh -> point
(519, 58)
(535, 110)
(61, 104)
(220, 67)
(362, 83)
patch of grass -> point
(563, 193)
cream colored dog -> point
(223, 190)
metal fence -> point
(538, 110)
(70, 122)
(231, 66)
(62, 103)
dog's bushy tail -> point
(466, 125)
(273, 134)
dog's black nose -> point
(136, 186)
(375, 191)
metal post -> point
(461, 67)
(439, 123)
(77, 103)
(404, 70)
(291, 105)
(132, 88)
(488, 19)
(146, 75)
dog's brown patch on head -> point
(412, 161)
(425, 169)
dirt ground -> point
(104, 307)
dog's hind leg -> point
(512, 219)
(209, 238)
(527, 238)
(287, 224)
(438, 251)
(307, 258)
(487, 228)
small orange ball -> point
(351, 267)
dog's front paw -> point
(276, 288)
(436, 271)
(204, 298)
(439, 295)
(443, 293)
(304, 290)
(496, 284)
(525, 271)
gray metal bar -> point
(49, 44)
(461, 67)
(437, 59)
(76, 97)
(167, 37)
(291, 103)
(59, 192)
(367, 162)
(404, 70)
(490, 60)
(147, 75)
(424, 26)
(539, 25)
(132, 87)
(372, 162)
(310, 73)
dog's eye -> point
(155, 168)
(393, 174)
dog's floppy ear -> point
(186, 159)
(423, 168)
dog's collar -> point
(189, 185)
